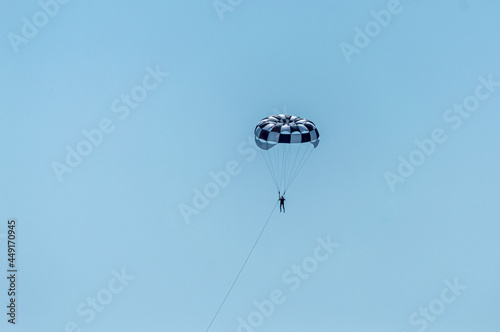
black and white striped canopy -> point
(288, 129)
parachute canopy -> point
(286, 141)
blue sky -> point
(420, 257)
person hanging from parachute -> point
(286, 142)
(282, 203)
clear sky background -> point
(119, 208)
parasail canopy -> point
(286, 142)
